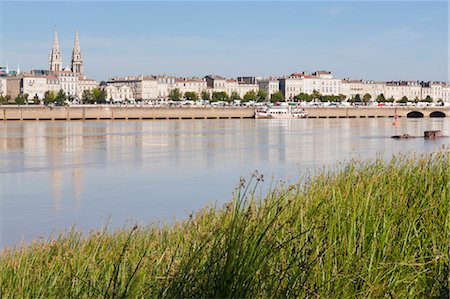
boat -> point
(281, 112)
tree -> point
(315, 96)
(342, 97)
(49, 97)
(21, 99)
(366, 98)
(277, 97)
(303, 97)
(381, 98)
(390, 100)
(175, 94)
(416, 100)
(428, 99)
(87, 97)
(36, 99)
(403, 100)
(330, 98)
(250, 96)
(8, 99)
(99, 96)
(219, 96)
(191, 96)
(206, 96)
(2, 100)
(262, 96)
(235, 96)
(60, 98)
(356, 99)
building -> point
(3, 82)
(399, 89)
(119, 93)
(217, 83)
(351, 88)
(248, 80)
(54, 58)
(164, 85)
(197, 85)
(243, 88)
(77, 61)
(37, 82)
(142, 87)
(270, 85)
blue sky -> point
(381, 40)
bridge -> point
(377, 112)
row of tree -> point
(381, 98)
(316, 96)
(56, 98)
(98, 96)
(222, 96)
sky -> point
(382, 40)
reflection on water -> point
(57, 174)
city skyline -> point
(409, 47)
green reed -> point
(364, 229)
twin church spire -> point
(55, 61)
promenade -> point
(8, 113)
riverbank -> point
(371, 229)
(107, 112)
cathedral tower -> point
(54, 59)
(77, 61)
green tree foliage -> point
(99, 96)
(49, 97)
(342, 97)
(206, 96)
(250, 96)
(330, 98)
(277, 97)
(403, 100)
(234, 97)
(390, 100)
(316, 96)
(87, 97)
(428, 99)
(36, 100)
(303, 97)
(366, 98)
(191, 96)
(21, 99)
(356, 99)
(381, 98)
(60, 98)
(2, 100)
(218, 96)
(175, 94)
(262, 96)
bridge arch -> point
(437, 114)
(414, 114)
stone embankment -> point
(115, 112)
(146, 112)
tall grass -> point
(364, 229)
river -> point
(54, 175)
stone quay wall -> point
(114, 112)
(111, 112)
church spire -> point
(54, 59)
(77, 61)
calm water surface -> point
(54, 175)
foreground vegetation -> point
(372, 229)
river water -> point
(54, 175)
